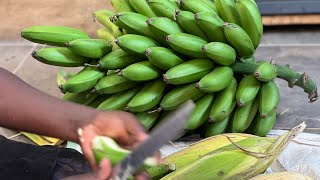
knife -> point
(172, 125)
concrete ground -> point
(299, 47)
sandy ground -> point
(18, 14)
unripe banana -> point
(135, 44)
(186, 20)
(163, 58)
(133, 22)
(188, 72)
(179, 95)
(195, 6)
(211, 5)
(53, 35)
(117, 59)
(148, 119)
(224, 103)
(212, 25)
(98, 100)
(91, 48)
(118, 101)
(268, 99)
(85, 80)
(163, 8)
(112, 84)
(107, 35)
(121, 5)
(103, 16)
(220, 53)
(251, 20)
(201, 113)
(247, 91)
(243, 117)
(80, 98)
(261, 127)
(216, 128)
(148, 97)
(141, 71)
(187, 44)
(142, 7)
(59, 57)
(162, 27)
(228, 11)
(265, 72)
(217, 80)
(238, 39)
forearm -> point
(24, 108)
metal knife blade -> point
(172, 125)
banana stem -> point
(283, 72)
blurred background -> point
(292, 36)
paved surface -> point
(297, 47)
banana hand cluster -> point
(154, 55)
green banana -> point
(243, 117)
(90, 48)
(211, 5)
(247, 91)
(118, 101)
(224, 103)
(185, 19)
(195, 6)
(179, 95)
(52, 35)
(112, 84)
(163, 8)
(163, 58)
(84, 80)
(201, 113)
(133, 22)
(188, 72)
(268, 99)
(135, 44)
(117, 59)
(187, 44)
(265, 72)
(162, 27)
(148, 119)
(122, 5)
(238, 39)
(261, 127)
(83, 98)
(251, 20)
(98, 100)
(220, 53)
(228, 11)
(148, 97)
(212, 25)
(142, 7)
(103, 16)
(217, 80)
(251, 59)
(216, 128)
(107, 35)
(59, 56)
(140, 71)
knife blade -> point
(172, 125)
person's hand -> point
(121, 126)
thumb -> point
(105, 169)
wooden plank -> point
(310, 19)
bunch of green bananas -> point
(153, 55)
